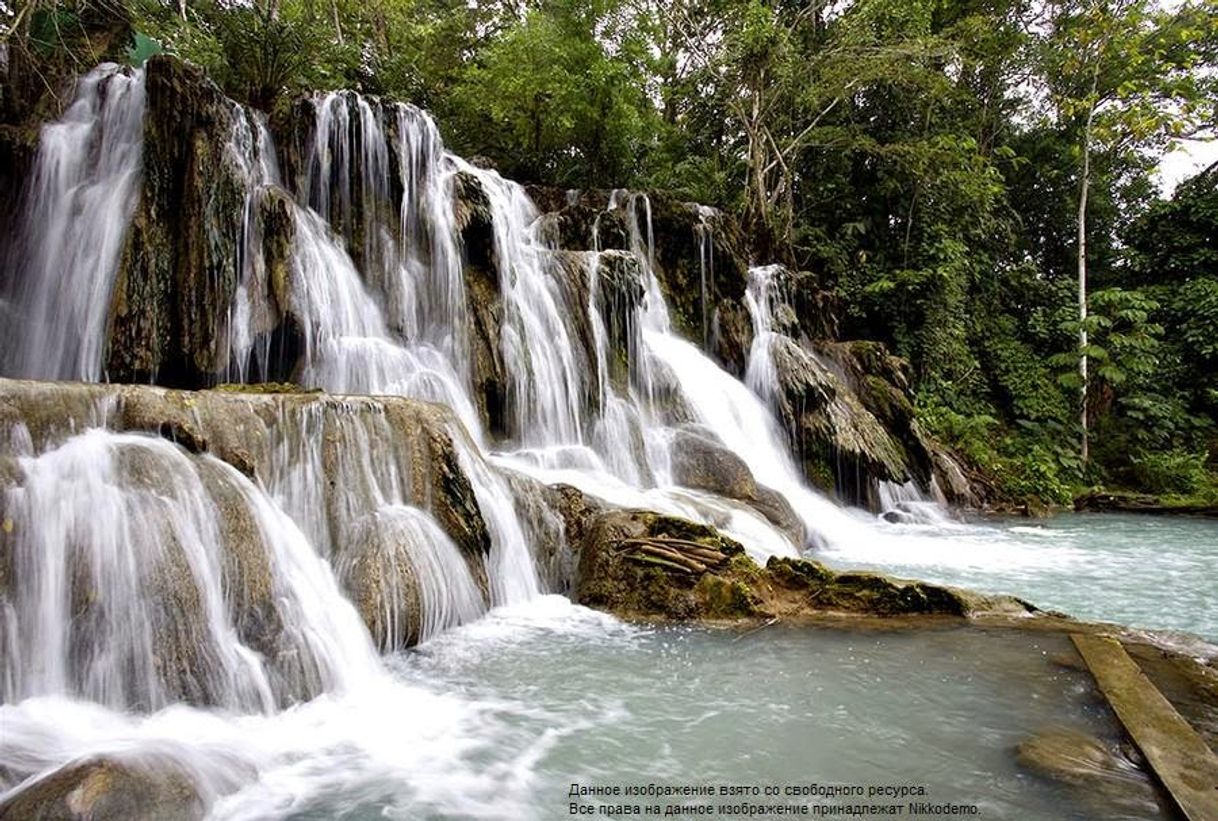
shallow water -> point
(499, 718)
(1153, 572)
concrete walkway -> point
(1178, 756)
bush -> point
(1174, 471)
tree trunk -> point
(338, 27)
(1084, 189)
(1082, 297)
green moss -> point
(721, 598)
(745, 568)
(798, 573)
(263, 388)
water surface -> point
(1154, 572)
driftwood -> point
(680, 555)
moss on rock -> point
(643, 564)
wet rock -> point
(867, 592)
(692, 245)
(545, 529)
(249, 585)
(698, 461)
(439, 479)
(640, 563)
(180, 262)
(486, 353)
(475, 221)
(842, 445)
(952, 480)
(619, 295)
(250, 430)
(1106, 774)
(379, 577)
(643, 564)
(107, 789)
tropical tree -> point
(1123, 77)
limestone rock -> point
(700, 462)
(107, 789)
(250, 429)
(843, 446)
(182, 258)
(1105, 773)
(643, 564)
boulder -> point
(643, 564)
(698, 461)
(842, 446)
(107, 789)
(1106, 774)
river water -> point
(498, 719)
(1153, 572)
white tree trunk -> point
(1082, 298)
(1084, 189)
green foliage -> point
(1030, 461)
(1171, 472)
(548, 97)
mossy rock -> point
(723, 598)
(263, 388)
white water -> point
(105, 523)
(82, 193)
(126, 587)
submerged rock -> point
(1105, 774)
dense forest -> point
(973, 180)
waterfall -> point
(705, 233)
(349, 327)
(905, 503)
(154, 576)
(540, 346)
(75, 211)
(601, 391)
(398, 542)
(253, 156)
(133, 556)
(761, 301)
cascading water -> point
(705, 230)
(253, 155)
(82, 193)
(129, 570)
(377, 290)
(153, 577)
